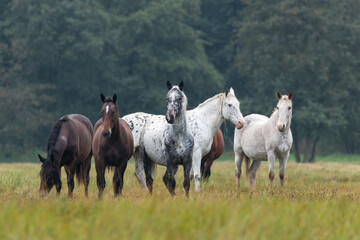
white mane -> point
(209, 100)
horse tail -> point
(79, 172)
(247, 166)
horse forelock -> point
(109, 99)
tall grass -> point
(318, 201)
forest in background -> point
(56, 57)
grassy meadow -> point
(318, 201)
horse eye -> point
(230, 105)
(289, 108)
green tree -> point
(310, 47)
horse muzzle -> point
(281, 127)
(106, 133)
(170, 118)
(240, 124)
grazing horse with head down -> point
(170, 143)
(112, 145)
(69, 145)
(265, 139)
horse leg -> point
(59, 185)
(282, 167)
(70, 172)
(196, 169)
(253, 170)
(202, 167)
(207, 171)
(116, 181)
(239, 155)
(121, 175)
(169, 179)
(271, 161)
(187, 168)
(86, 177)
(139, 169)
(148, 171)
(100, 177)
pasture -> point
(318, 201)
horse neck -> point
(179, 125)
(211, 112)
(115, 132)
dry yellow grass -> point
(318, 201)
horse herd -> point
(190, 138)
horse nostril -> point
(170, 118)
(106, 134)
(239, 125)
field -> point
(318, 201)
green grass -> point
(318, 201)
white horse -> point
(203, 121)
(170, 144)
(264, 139)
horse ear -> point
(181, 86)
(279, 95)
(290, 95)
(114, 98)
(102, 97)
(169, 85)
(41, 158)
(226, 92)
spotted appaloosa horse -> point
(264, 139)
(217, 148)
(69, 145)
(204, 121)
(169, 143)
(112, 145)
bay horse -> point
(217, 148)
(169, 143)
(112, 145)
(265, 139)
(203, 121)
(69, 145)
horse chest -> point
(282, 146)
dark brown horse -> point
(69, 145)
(217, 148)
(112, 145)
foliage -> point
(56, 57)
(309, 47)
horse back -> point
(82, 133)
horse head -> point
(284, 108)
(231, 109)
(49, 173)
(176, 101)
(110, 114)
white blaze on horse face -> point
(107, 109)
(284, 108)
(231, 109)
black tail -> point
(80, 173)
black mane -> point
(55, 133)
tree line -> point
(56, 57)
